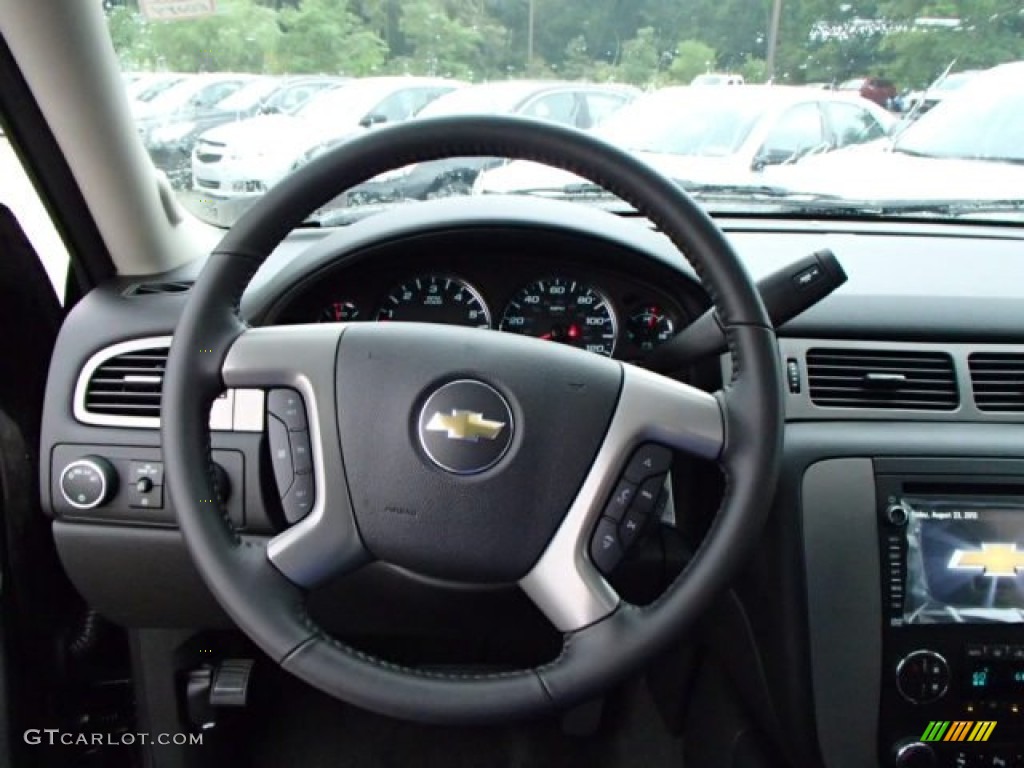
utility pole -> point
(529, 34)
(773, 40)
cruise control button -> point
(287, 405)
(605, 548)
(648, 460)
(647, 496)
(301, 460)
(299, 499)
(280, 454)
(620, 500)
(630, 527)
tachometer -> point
(436, 299)
(563, 310)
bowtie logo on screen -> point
(997, 560)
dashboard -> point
(828, 643)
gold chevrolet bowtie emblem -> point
(465, 425)
(990, 560)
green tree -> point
(241, 36)
(449, 39)
(323, 36)
(754, 70)
(641, 58)
(692, 58)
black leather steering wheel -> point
(519, 508)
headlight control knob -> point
(88, 482)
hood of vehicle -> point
(876, 173)
(522, 175)
(274, 130)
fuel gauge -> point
(649, 327)
(339, 312)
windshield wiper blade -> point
(943, 208)
(574, 191)
(704, 191)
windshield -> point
(874, 108)
(677, 121)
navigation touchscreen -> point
(965, 562)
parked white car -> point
(969, 147)
(245, 159)
(717, 135)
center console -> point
(951, 551)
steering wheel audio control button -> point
(280, 454)
(299, 499)
(605, 548)
(620, 500)
(287, 405)
(648, 460)
(302, 462)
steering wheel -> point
(466, 455)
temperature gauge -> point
(650, 327)
(339, 312)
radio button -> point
(922, 677)
(996, 652)
(897, 514)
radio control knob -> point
(88, 482)
(897, 514)
(913, 754)
(922, 677)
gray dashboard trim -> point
(800, 408)
(844, 606)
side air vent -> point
(120, 386)
(128, 384)
(889, 379)
(998, 381)
(157, 289)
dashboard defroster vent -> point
(998, 381)
(128, 384)
(886, 379)
(160, 289)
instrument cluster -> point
(601, 310)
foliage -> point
(646, 42)
(323, 36)
(692, 58)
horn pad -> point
(461, 460)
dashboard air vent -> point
(886, 379)
(156, 289)
(998, 380)
(128, 384)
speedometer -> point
(436, 299)
(563, 310)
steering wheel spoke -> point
(565, 583)
(325, 542)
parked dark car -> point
(877, 89)
(170, 145)
(581, 105)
